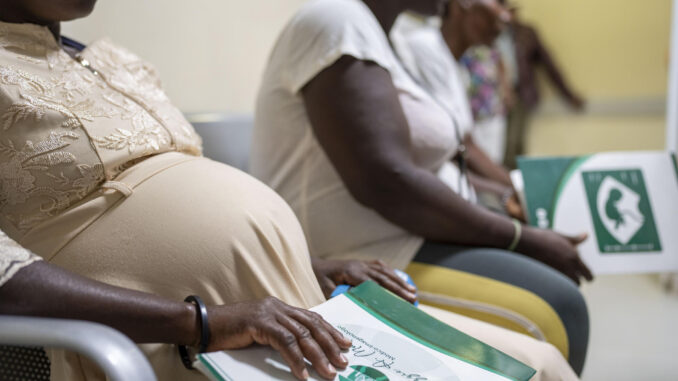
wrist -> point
(506, 196)
(528, 243)
(190, 328)
(203, 324)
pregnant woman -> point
(108, 213)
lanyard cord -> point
(461, 158)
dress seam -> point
(122, 198)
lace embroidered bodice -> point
(69, 125)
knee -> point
(570, 304)
(552, 366)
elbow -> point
(384, 189)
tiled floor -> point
(634, 330)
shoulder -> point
(335, 20)
(329, 13)
(426, 41)
(322, 32)
(424, 52)
(105, 47)
(115, 58)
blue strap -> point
(342, 288)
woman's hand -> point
(514, 208)
(294, 332)
(556, 250)
(332, 273)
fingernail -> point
(343, 359)
(331, 369)
(411, 288)
(305, 374)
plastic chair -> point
(226, 138)
(23, 360)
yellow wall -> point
(210, 54)
(615, 52)
(609, 48)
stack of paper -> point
(392, 340)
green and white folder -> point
(392, 340)
(626, 201)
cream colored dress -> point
(101, 175)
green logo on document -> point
(621, 211)
(364, 373)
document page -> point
(398, 343)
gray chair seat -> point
(226, 138)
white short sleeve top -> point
(287, 156)
(427, 58)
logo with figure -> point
(364, 373)
(621, 211)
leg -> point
(510, 290)
(195, 228)
(542, 357)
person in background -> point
(487, 89)
(108, 213)
(366, 158)
(431, 50)
(530, 54)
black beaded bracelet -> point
(204, 331)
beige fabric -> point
(13, 258)
(193, 227)
(65, 130)
(541, 356)
(287, 157)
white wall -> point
(210, 53)
(672, 107)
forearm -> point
(483, 184)
(45, 290)
(480, 163)
(421, 203)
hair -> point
(446, 10)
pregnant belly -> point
(196, 226)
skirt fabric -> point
(176, 225)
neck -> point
(386, 12)
(55, 28)
(16, 16)
(454, 36)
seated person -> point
(108, 213)
(363, 154)
(431, 54)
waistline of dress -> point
(48, 238)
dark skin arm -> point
(511, 205)
(331, 273)
(481, 164)
(44, 290)
(357, 118)
(555, 75)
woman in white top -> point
(364, 156)
(430, 51)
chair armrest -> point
(116, 354)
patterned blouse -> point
(69, 126)
(483, 66)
